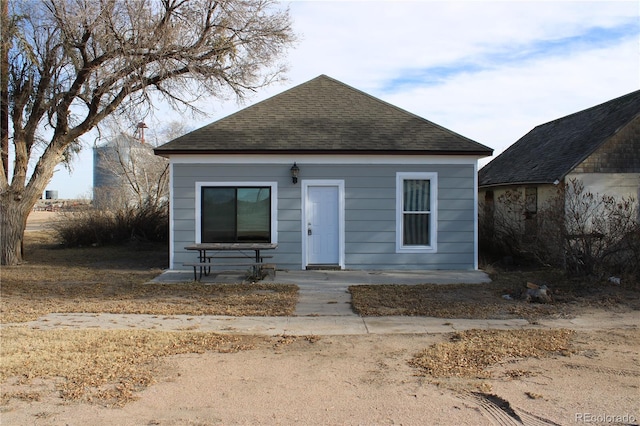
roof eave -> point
(168, 152)
(520, 183)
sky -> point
(488, 70)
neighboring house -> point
(378, 187)
(599, 146)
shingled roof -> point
(320, 116)
(550, 151)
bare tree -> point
(130, 173)
(72, 63)
(4, 85)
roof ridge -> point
(402, 110)
(600, 105)
(587, 152)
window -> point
(235, 214)
(416, 218)
(530, 211)
(531, 200)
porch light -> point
(294, 173)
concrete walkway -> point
(324, 308)
(321, 325)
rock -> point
(536, 293)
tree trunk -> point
(13, 220)
(4, 87)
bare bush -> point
(130, 203)
(576, 230)
(95, 226)
(510, 230)
(602, 233)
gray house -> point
(333, 176)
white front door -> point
(322, 231)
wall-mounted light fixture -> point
(294, 173)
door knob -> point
(309, 231)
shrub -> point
(576, 230)
(602, 233)
(95, 226)
(510, 231)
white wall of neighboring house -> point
(617, 185)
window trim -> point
(235, 184)
(433, 205)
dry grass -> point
(109, 366)
(112, 280)
(102, 366)
(485, 301)
(28, 301)
(469, 353)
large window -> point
(231, 214)
(416, 219)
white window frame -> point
(433, 205)
(274, 204)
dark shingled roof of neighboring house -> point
(552, 150)
(320, 116)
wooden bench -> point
(209, 258)
(206, 267)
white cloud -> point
(497, 107)
(364, 42)
(489, 90)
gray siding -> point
(370, 212)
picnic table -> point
(245, 254)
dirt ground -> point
(364, 380)
(39, 220)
